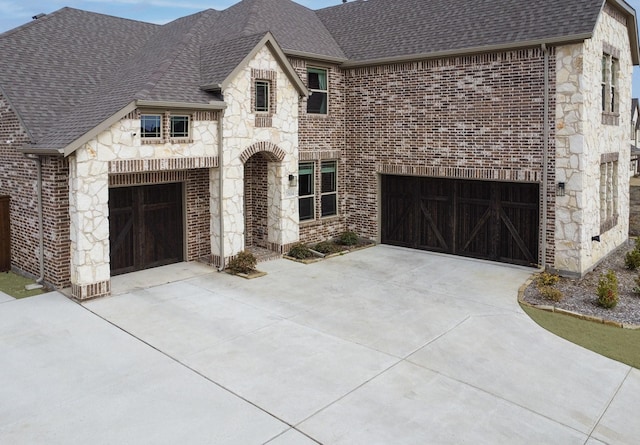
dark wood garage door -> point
(490, 220)
(145, 227)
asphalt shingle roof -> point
(378, 29)
(71, 70)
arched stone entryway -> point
(262, 178)
(256, 217)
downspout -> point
(222, 265)
(38, 162)
(545, 156)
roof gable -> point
(221, 62)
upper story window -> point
(317, 83)
(179, 127)
(151, 126)
(262, 96)
(609, 83)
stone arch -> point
(271, 151)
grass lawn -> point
(12, 284)
(619, 344)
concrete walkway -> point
(381, 346)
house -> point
(485, 129)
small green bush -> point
(547, 279)
(551, 293)
(608, 290)
(326, 247)
(348, 238)
(636, 289)
(300, 251)
(244, 262)
(632, 259)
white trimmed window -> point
(329, 188)
(306, 193)
(609, 83)
(608, 192)
(317, 84)
(151, 126)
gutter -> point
(222, 265)
(38, 162)
(545, 156)
(467, 51)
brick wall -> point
(322, 137)
(475, 117)
(255, 201)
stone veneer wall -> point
(322, 137)
(581, 140)
(18, 179)
(242, 139)
(473, 117)
(120, 150)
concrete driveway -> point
(381, 346)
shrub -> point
(551, 293)
(636, 289)
(547, 279)
(325, 247)
(244, 262)
(348, 238)
(300, 251)
(632, 259)
(608, 290)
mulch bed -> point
(580, 294)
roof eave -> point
(214, 105)
(313, 56)
(30, 149)
(468, 51)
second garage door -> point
(145, 227)
(481, 219)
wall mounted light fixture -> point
(560, 188)
(292, 181)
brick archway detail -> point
(271, 151)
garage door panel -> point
(480, 219)
(145, 227)
(399, 225)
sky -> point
(14, 13)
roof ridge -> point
(33, 22)
(165, 65)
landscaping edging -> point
(551, 308)
(250, 275)
(327, 256)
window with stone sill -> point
(608, 191)
(609, 89)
